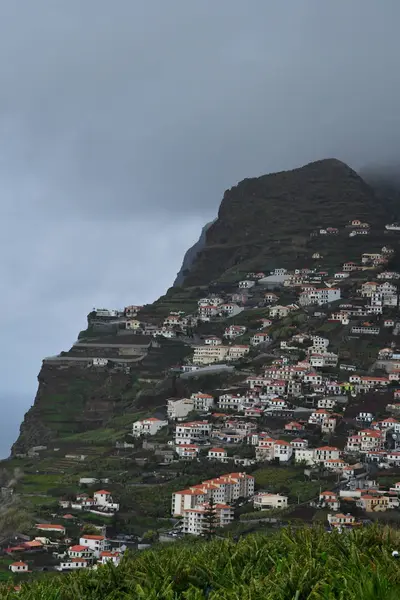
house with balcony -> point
(195, 432)
(149, 426)
(219, 454)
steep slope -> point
(267, 218)
(191, 255)
(262, 223)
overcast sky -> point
(122, 123)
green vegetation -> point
(303, 564)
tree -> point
(210, 520)
(90, 529)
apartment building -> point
(202, 402)
(195, 432)
(206, 354)
(194, 518)
(224, 489)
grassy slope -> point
(290, 565)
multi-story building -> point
(195, 520)
(206, 354)
(224, 489)
(202, 402)
(195, 432)
(96, 543)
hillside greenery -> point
(290, 565)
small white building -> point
(212, 340)
(110, 557)
(219, 454)
(260, 337)
(18, 567)
(148, 426)
(246, 284)
(178, 410)
(72, 564)
(265, 501)
(187, 451)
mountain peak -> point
(260, 218)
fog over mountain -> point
(123, 123)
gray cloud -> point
(122, 124)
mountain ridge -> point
(275, 209)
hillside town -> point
(292, 410)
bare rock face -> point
(191, 255)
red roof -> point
(217, 450)
(77, 560)
(103, 492)
(18, 564)
(93, 537)
(78, 548)
(50, 526)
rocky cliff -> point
(272, 216)
(191, 255)
(262, 223)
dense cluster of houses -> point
(290, 403)
(308, 395)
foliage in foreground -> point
(291, 565)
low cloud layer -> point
(123, 123)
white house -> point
(110, 557)
(279, 311)
(234, 331)
(246, 284)
(96, 543)
(148, 426)
(212, 340)
(78, 551)
(72, 564)
(104, 499)
(259, 338)
(178, 410)
(329, 500)
(264, 501)
(193, 432)
(18, 567)
(219, 454)
(187, 451)
(202, 402)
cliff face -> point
(191, 255)
(272, 216)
